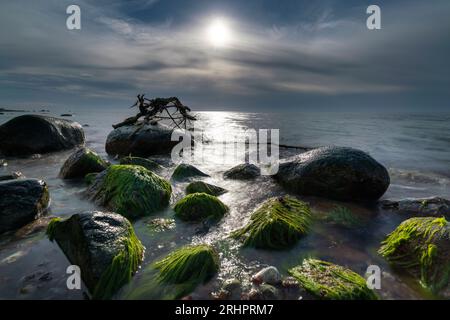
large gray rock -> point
(21, 202)
(103, 245)
(140, 140)
(335, 172)
(35, 134)
(82, 162)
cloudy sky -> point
(266, 55)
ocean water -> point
(414, 147)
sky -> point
(289, 55)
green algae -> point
(51, 227)
(202, 187)
(132, 191)
(90, 177)
(421, 246)
(190, 266)
(328, 281)
(198, 207)
(278, 224)
(122, 267)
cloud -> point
(325, 53)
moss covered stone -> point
(198, 207)
(103, 245)
(130, 190)
(146, 163)
(325, 280)
(185, 171)
(203, 187)
(189, 266)
(82, 162)
(422, 247)
(277, 224)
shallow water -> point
(414, 147)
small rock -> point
(268, 275)
(185, 171)
(243, 172)
(82, 162)
(433, 206)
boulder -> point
(325, 280)
(200, 186)
(35, 134)
(82, 162)
(433, 206)
(336, 173)
(146, 163)
(140, 140)
(278, 224)
(421, 247)
(198, 207)
(243, 171)
(185, 171)
(130, 190)
(21, 202)
(103, 245)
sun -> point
(219, 33)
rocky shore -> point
(105, 246)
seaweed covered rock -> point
(336, 173)
(434, 206)
(146, 163)
(278, 224)
(203, 187)
(421, 246)
(243, 171)
(197, 207)
(140, 139)
(325, 280)
(21, 201)
(103, 245)
(82, 162)
(188, 267)
(185, 171)
(34, 134)
(132, 191)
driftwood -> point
(159, 109)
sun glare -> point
(219, 33)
